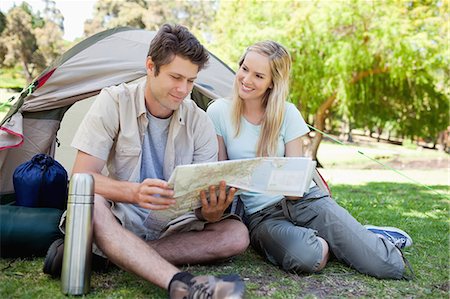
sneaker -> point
(231, 287)
(394, 235)
(53, 259)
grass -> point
(5, 95)
(12, 78)
(333, 155)
(422, 213)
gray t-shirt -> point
(154, 147)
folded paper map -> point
(285, 176)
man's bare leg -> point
(128, 251)
(217, 241)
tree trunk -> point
(28, 75)
(349, 134)
(379, 131)
(323, 111)
(441, 141)
(435, 142)
(319, 122)
(343, 129)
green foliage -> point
(30, 40)
(11, 78)
(151, 15)
(20, 41)
(36, 20)
(2, 22)
(238, 24)
(376, 57)
(386, 62)
(424, 215)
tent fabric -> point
(104, 59)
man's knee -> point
(234, 235)
(237, 235)
(102, 213)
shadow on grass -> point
(423, 214)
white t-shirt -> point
(244, 145)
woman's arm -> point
(292, 149)
(222, 149)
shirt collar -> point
(141, 109)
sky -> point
(75, 12)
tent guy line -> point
(382, 164)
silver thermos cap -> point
(81, 184)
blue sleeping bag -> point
(41, 182)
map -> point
(285, 176)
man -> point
(141, 132)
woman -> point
(295, 233)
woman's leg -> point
(291, 247)
(348, 239)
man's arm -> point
(151, 194)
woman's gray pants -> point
(286, 234)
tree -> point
(378, 62)
(3, 49)
(30, 40)
(53, 14)
(241, 23)
(20, 42)
(150, 14)
(2, 22)
(373, 62)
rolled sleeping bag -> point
(26, 232)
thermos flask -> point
(76, 268)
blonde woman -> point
(297, 234)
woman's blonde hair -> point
(274, 98)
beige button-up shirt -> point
(114, 128)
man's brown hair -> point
(176, 40)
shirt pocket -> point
(125, 161)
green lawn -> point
(5, 95)
(357, 155)
(423, 214)
(12, 78)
